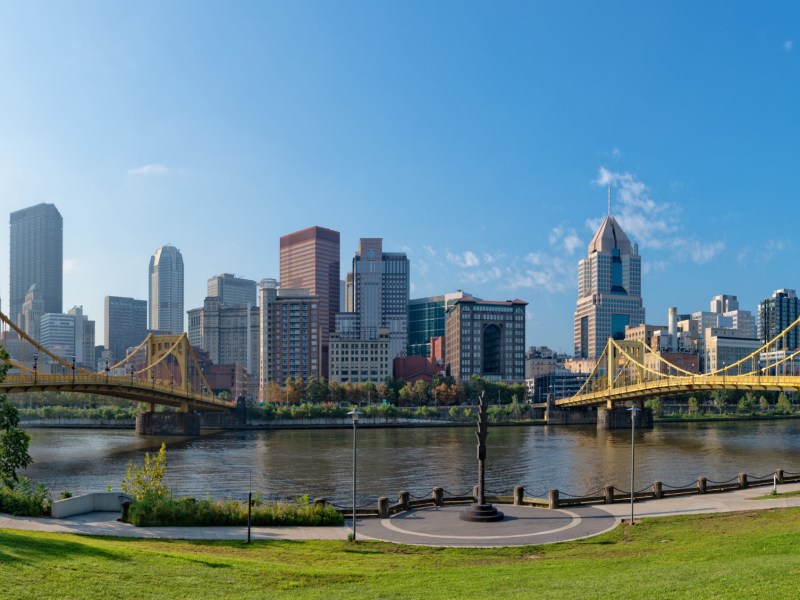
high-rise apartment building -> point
(609, 290)
(58, 335)
(231, 290)
(84, 338)
(310, 260)
(290, 336)
(426, 320)
(486, 338)
(37, 257)
(165, 290)
(776, 314)
(125, 325)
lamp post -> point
(73, 368)
(107, 370)
(633, 410)
(354, 414)
(35, 365)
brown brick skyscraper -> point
(310, 259)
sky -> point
(478, 137)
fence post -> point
(475, 493)
(608, 492)
(702, 485)
(319, 502)
(552, 499)
(438, 496)
(403, 499)
(519, 492)
(742, 480)
(658, 490)
(779, 475)
(383, 507)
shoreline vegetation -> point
(732, 555)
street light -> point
(633, 409)
(107, 370)
(73, 368)
(354, 414)
(35, 365)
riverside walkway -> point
(438, 526)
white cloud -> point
(429, 250)
(465, 259)
(70, 267)
(562, 238)
(788, 45)
(482, 275)
(151, 170)
(653, 224)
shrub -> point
(164, 511)
(24, 499)
(145, 482)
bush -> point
(145, 482)
(164, 512)
(23, 499)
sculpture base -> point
(481, 513)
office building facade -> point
(777, 313)
(426, 318)
(231, 290)
(609, 290)
(36, 257)
(125, 325)
(487, 339)
(165, 290)
(310, 259)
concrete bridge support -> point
(571, 416)
(619, 417)
(172, 423)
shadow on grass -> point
(29, 549)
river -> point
(289, 463)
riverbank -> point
(750, 554)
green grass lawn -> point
(772, 496)
(742, 555)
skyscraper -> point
(609, 290)
(426, 318)
(380, 293)
(232, 291)
(776, 314)
(165, 290)
(125, 325)
(310, 260)
(37, 257)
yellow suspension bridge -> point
(632, 371)
(163, 369)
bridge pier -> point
(173, 423)
(619, 417)
(571, 416)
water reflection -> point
(576, 460)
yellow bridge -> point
(163, 369)
(632, 371)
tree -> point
(315, 391)
(720, 399)
(145, 482)
(747, 404)
(656, 405)
(404, 396)
(783, 405)
(13, 440)
(694, 406)
(763, 404)
(419, 392)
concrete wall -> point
(620, 418)
(78, 505)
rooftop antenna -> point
(609, 201)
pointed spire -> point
(609, 201)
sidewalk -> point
(438, 526)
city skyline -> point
(482, 150)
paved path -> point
(438, 526)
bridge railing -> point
(158, 385)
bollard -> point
(319, 502)
(519, 492)
(383, 507)
(658, 490)
(779, 475)
(402, 500)
(609, 494)
(438, 496)
(742, 480)
(701, 485)
(552, 499)
(475, 493)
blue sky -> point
(476, 136)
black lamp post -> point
(73, 368)
(35, 365)
(633, 410)
(355, 413)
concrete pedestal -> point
(619, 417)
(177, 423)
